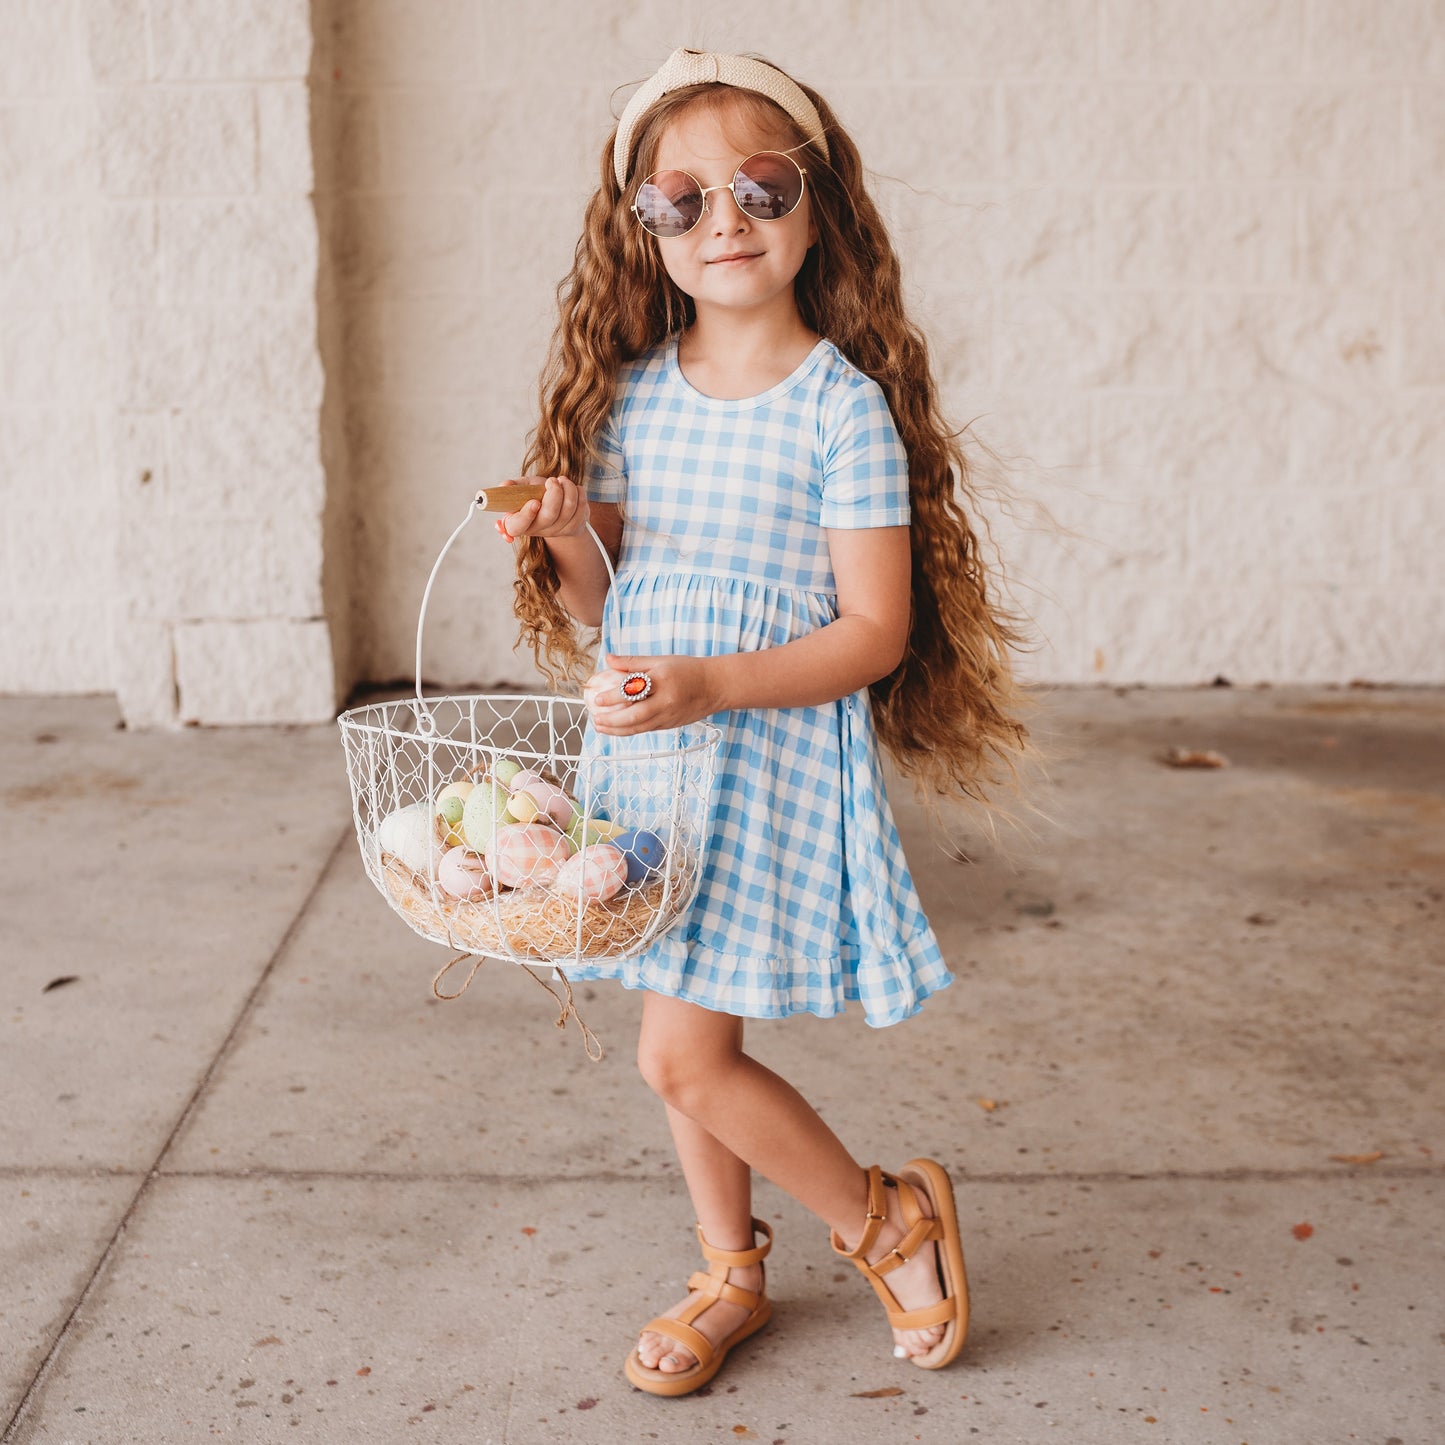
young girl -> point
(751, 415)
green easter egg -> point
(452, 809)
(505, 770)
(485, 811)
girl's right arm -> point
(560, 518)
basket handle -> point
(496, 499)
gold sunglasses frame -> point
(730, 186)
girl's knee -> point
(680, 1072)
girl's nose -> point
(724, 215)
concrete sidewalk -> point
(257, 1183)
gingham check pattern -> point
(806, 900)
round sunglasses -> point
(767, 187)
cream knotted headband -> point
(701, 67)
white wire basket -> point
(500, 826)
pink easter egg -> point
(527, 853)
(549, 798)
(464, 875)
(597, 873)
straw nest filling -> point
(537, 923)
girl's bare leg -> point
(730, 1113)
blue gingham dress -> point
(806, 900)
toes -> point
(657, 1353)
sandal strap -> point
(877, 1212)
(715, 1287)
(682, 1333)
(919, 1229)
(738, 1258)
(925, 1315)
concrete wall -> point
(161, 379)
(1179, 263)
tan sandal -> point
(919, 1230)
(713, 1284)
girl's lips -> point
(728, 260)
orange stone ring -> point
(636, 686)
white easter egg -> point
(410, 835)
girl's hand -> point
(561, 513)
(682, 692)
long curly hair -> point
(948, 713)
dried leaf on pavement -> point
(1195, 758)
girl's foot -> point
(716, 1322)
(914, 1284)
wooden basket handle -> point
(509, 497)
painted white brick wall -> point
(1179, 264)
(160, 377)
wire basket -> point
(500, 826)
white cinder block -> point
(1331, 339)
(977, 39)
(390, 44)
(125, 240)
(1224, 37)
(1326, 133)
(51, 356)
(240, 40)
(178, 142)
(115, 40)
(194, 356)
(47, 148)
(1351, 439)
(248, 462)
(1211, 235)
(283, 113)
(238, 251)
(1425, 132)
(408, 251)
(1406, 37)
(145, 671)
(1185, 442)
(1422, 339)
(1344, 632)
(1175, 636)
(1130, 338)
(1130, 132)
(49, 462)
(44, 260)
(56, 644)
(254, 672)
(1416, 557)
(1373, 238)
(886, 121)
(1288, 535)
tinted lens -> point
(669, 203)
(768, 186)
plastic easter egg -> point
(595, 830)
(485, 811)
(522, 808)
(643, 851)
(527, 853)
(505, 770)
(451, 807)
(410, 835)
(594, 875)
(548, 799)
(464, 875)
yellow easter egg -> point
(522, 807)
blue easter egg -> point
(643, 851)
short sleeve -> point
(865, 465)
(607, 472)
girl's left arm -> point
(872, 569)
